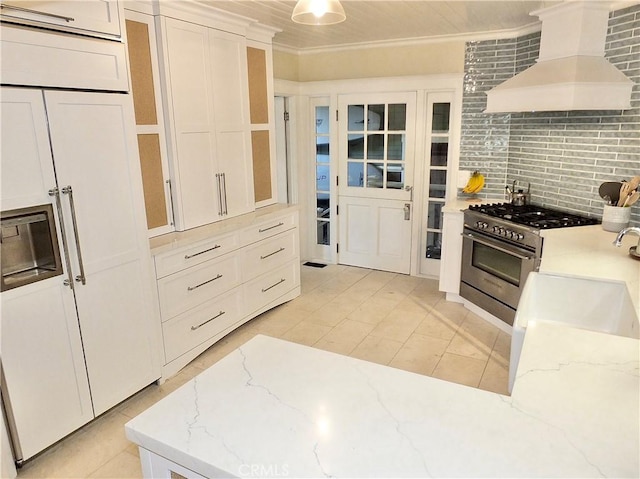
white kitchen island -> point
(279, 409)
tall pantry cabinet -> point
(235, 252)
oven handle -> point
(499, 248)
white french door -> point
(376, 161)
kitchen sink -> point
(585, 303)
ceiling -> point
(371, 21)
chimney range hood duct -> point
(571, 72)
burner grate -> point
(534, 216)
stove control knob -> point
(519, 236)
(484, 226)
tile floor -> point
(397, 320)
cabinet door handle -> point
(172, 220)
(271, 254)
(282, 280)
(189, 256)
(67, 190)
(225, 210)
(37, 12)
(191, 288)
(67, 258)
(193, 328)
(270, 227)
(219, 194)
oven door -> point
(495, 268)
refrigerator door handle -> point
(67, 190)
(56, 193)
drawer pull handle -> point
(191, 288)
(189, 256)
(271, 254)
(264, 290)
(193, 328)
(270, 227)
(38, 12)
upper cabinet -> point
(214, 77)
(89, 53)
(208, 122)
(95, 18)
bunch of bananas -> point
(475, 183)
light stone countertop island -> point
(278, 409)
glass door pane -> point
(437, 177)
(323, 176)
(376, 145)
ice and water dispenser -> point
(29, 249)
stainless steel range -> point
(501, 246)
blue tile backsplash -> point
(565, 156)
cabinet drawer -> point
(268, 228)
(270, 286)
(196, 326)
(269, 254)
(175, 261)
(186, 289)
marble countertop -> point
(178, 239)
(290, 410)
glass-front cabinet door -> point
(437, 166)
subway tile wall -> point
(565, 156)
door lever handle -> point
(410, 190)
(407, 211)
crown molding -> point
(404, 42)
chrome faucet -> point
(630, 229)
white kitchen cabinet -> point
(228, 55)
(70, 352)
(147, 102)
(451, 257)
(185, 289)
(206, 90)
(39, 58)
(88, 17)
(215, 278)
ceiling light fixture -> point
(318, 12)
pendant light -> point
(318, 12)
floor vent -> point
(314, 265)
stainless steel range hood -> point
(571, 72)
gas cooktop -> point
(533, 216)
